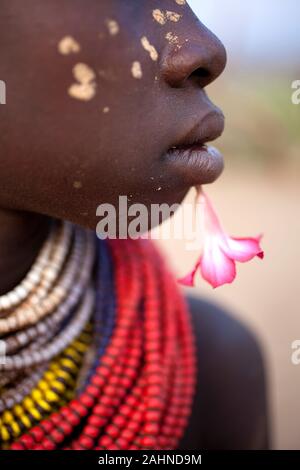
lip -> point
(192, 157)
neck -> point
(21, 237)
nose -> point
(201, 58)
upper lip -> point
(205, 130)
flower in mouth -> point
(220, 251)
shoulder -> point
(215, 327)
(230, 410)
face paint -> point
(162, 17)
(149, 48)
(113, 27)
(85, 90)
(159, 16)
(180, 2)
(83, 73)
(68, 45)
(172, 38)
(136, 70)
(172, 16)
(106, 110)
(77, 184)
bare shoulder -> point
(230, 407)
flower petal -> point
(211, 221)
(220, 252)
(216, 267)
(189, 279)
(242, 249)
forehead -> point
(35, 25)
(70, 9)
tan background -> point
(265, 294)
(260, 190)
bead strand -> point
(58, 344)
(22, 338)
(128, 303)
(105, 315)
(139, 392)
(18, 393)
(31, 280)
(49, 393)
(32, 314)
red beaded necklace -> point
(141, 393)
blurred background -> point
(259, 190)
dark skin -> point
(231, 410)
(62, 156)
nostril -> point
(200, 72)
(197, 62)
(202, 76)
(180, 69)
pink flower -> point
(220, 252)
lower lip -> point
(198, 164)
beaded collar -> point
(100, 349)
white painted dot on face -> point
(162, 17)
(77, 184)
(113, 27)
(159, 16)
(149, 48)
(173, 16)
(85, 89)
(172, 38)
(106, 110)
(84, 73)
(83, 92)
(68, 45)
(136, 70)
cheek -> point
(93, 100)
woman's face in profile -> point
(99, 93)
